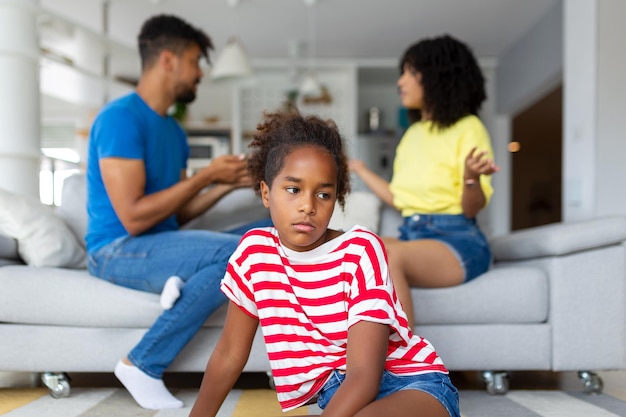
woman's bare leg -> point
(423, 263)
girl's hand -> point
(477, 165)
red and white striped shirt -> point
(306, 302)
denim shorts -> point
(456, 231)
(434, 383)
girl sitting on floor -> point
(332, 323)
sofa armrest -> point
(8, 248)
(559, 239)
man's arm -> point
(374, 182)
(125, 181)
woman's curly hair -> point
(454, 86)
(280, 133)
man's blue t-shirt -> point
(129, 128)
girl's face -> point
(410, 88)
(302, 198)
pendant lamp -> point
(310, 85)
(232, 62)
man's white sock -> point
(149, 392)
(171, 291)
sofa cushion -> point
(10, 261)
(43, 239)
(501, 295)
(73, 209)
(8, 247)
(362, 208)
(235, 209)
(69, 297)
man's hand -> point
(226, 169)
(225, 174)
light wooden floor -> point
(614, 381)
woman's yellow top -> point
(429, 164)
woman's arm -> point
(375, 183)
(473, 198)
(226, 362)
(366, 356)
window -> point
(60, 159)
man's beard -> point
(186, 97)
(186, 94)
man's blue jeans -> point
(198, 257)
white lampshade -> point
(232, 62)
(310, 86)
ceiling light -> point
(310, 86)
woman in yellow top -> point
(442, 170)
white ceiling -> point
(345, 29)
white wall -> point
(595, 105)
(579, 42)
(532, 66)
(529, 69)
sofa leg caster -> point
(58, 384)
(592, 383)
(270, 380)
(497, 382)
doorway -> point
(536, 168)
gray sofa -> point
(554, 300)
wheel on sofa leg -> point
(58, 384)
(270, 380)
(497, 382)
(592, 383)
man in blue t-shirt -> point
(138, 194)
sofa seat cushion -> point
(70, 297)
(67, 297)
(502, 295)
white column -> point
(611, 104)
(19, 101)
(579, 108)
(236, 134)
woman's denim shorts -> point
(434, 383)
(456, 231)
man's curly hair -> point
(454, 86)
(280, 133)
(168, 32)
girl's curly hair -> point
(454, 86)
(280, 133)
